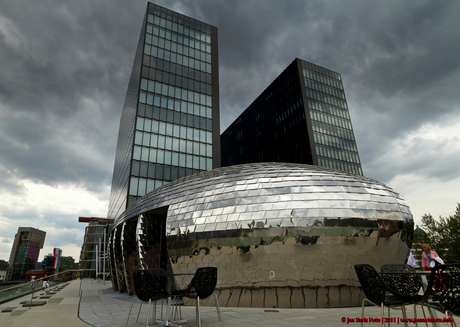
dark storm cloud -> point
(399, 55)
(395, 58)
(66, 68)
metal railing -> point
(30, 287)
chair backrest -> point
(371, 283)
(149, 284)
(444, 286)
(404, 284)
(204, 281)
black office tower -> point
(169, 126)
(302, 117)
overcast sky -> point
(64, 71)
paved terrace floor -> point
(100, 306)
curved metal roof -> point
(269, 194)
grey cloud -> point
(9, 183)
(65, 56)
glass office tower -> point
(302, 117)
(169, 126)
(25, 251)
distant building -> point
(24, 254)
(169, 126)
(3, 269)
(96, 238)
(301, 117)
(68, 263)
(53, 260)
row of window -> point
(196, 81)
(173, 117)
(169, 129)
(331, 120)
(163, 174)
(177, 58)
(337, 154)
(185, 105)
(89, 247)
(169, 143)
(94, 230)
(194, 52)
(159, 66)
(333, 141)
(324, 162)
(181, 29)
(142, 186)
(174, 92)
(285, 114)
(322, 79)
(178, 38)
(177, 159)
(329, 100)
(323, 88)
(160, 171)
(93, 238)
(320, 70)
(332, 110)
(332, 130)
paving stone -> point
(112, 308)
(34, 303)
(18, 312)
(9, 309)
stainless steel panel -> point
(275, 229)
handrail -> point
(40, 279)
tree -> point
(444, 235)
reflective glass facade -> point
(170, 122)
(302, 117)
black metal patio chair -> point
(149, 285)
(443, 291)
(404, 282)
(201, 287)
(377, 291)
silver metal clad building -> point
(281, 234)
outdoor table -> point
(169, 321)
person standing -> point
(45, 282)
(428, 256)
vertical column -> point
(118, 255)
(151, 241)
(129, 249)
(113, 274)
